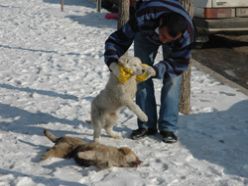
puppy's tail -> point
(50, 136)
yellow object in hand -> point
(144, 76)
(124, 74)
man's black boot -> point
(168, 136)
(141, 133)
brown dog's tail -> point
(50, 136)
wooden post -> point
(98, 5)
(184, 105)
(62, 5)
(123, 12)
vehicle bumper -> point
(212, 26)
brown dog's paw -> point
(44, 157)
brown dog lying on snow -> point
(87, 154)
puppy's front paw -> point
(143, 117)
(44, 157)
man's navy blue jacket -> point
(145, 21)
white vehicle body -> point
(221, 16)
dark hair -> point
(175, 23)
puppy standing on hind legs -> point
(119, 92)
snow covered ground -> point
(51, 67)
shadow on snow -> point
(219, 137)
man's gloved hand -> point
(148, 72)
(123, 74)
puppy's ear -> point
(125, 150)
(114, 68)
(123, 60)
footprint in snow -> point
(227, 93)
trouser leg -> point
(145, 96)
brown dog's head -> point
(131, 159)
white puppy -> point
(116, 95)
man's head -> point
(171, 27)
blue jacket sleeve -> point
(119, 42)
(178, 60)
